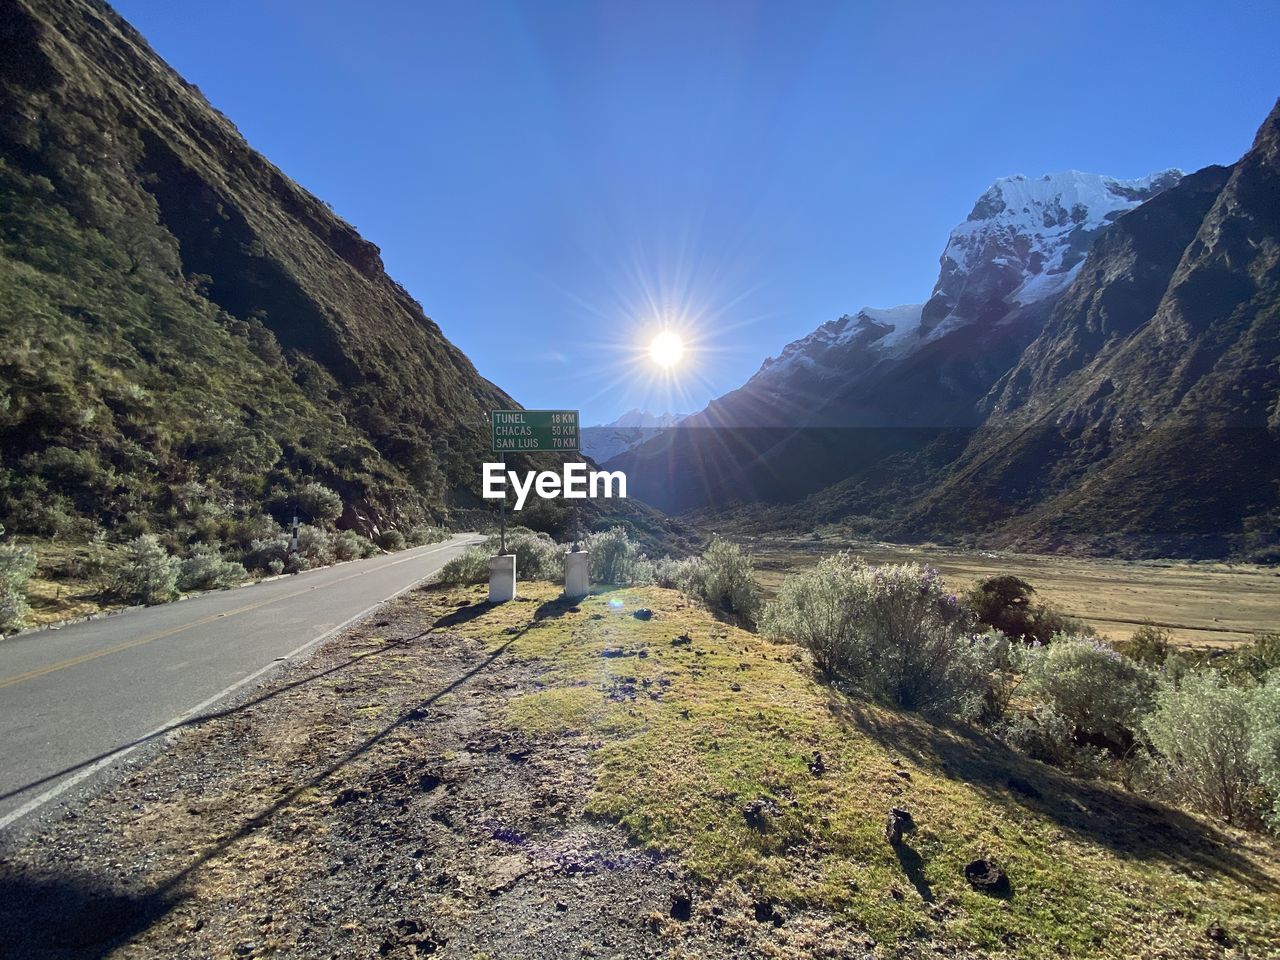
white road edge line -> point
(54, 792)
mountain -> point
(186, 335)
(1018, 250)
(1145, 417)
(605, 441)
(903, 381)
(1095, 371)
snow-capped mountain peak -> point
(1001, 269)
(643, 418)
(870, 329)
(1026, 238)
(604, 441)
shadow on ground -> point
(1092, 811)
(69, 915)
(72, 915)
(216, 714)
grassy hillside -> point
(176, 310)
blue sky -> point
(554, 181)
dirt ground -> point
(1201, 604)
(370, 803)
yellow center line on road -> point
(151, 638)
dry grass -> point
(1201, 604)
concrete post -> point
(502, 578)
(577, 579)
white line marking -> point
(80, 776)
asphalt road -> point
(79, 702)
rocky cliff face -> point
(1025, 240)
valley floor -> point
(540, 780)
(1200, 604)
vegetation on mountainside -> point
(189, 341)
(17, 564)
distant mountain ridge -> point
(887, 422)
(604, 441)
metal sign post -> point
(502, 511)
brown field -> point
(1201, 604)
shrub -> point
(390, 540)
(146, 573)
(1149, 645)
(613, 556)
(263, 553)
(17, 564)
(261, 526)
(1007, 661)
(538, 557)
(723, 578)
(13, 608)
(349, 545)
(1007, 603)
(1264, 747)
(315, 544)
(275, 566)
(667, 572)
(1097, 688)
(319, 503)
(893, 632)
(205, 569)
(1204, 729)
(1257, 658)
(1046, 735)
(471, 567)
(423, 534)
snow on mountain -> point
(604, 441)
(821, 353)
(1022, 244)
(1025, 240)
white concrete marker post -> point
(502, 578)
(577, 579)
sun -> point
(666, 349)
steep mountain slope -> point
(894, 389)
(604, 441)
(1146, 416)
(177, 310)
(186, 335)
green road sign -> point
(535, 431)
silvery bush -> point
(894, 633)
(613, 556)
(17, 564)
(723, 578)
(205, 569)
(1219, 745)
(146, 573)
(1101, 691)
